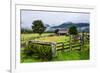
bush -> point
(38, 50)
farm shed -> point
(62, 32)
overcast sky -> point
(52, 18)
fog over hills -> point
(65, 25)
(80, 26)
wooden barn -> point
(62, 32)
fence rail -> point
(64, 46)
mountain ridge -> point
(67, 25)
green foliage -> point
(27, 37)
(37, 50)
(71, 55)
(25, 31)
(73, 30)
(56, 31)
(85, 54)
(38, 27)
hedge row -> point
(38, 50)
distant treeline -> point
(25, 31)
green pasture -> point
(54, 39)
(61, 55)
(26, 37)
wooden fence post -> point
(53, 44)
(80, 42)
(70, 45)
(62, 46)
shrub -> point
(38, 50)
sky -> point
(52, 18)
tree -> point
(38, 27)
(56, 31)
(72, 31)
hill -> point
(67, 25)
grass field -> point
(54, 39)
(61, 56)
(26, 37)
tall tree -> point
(72, 32)
(38, 27)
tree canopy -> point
(38, 27)
(56, 31)
(73, 30)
